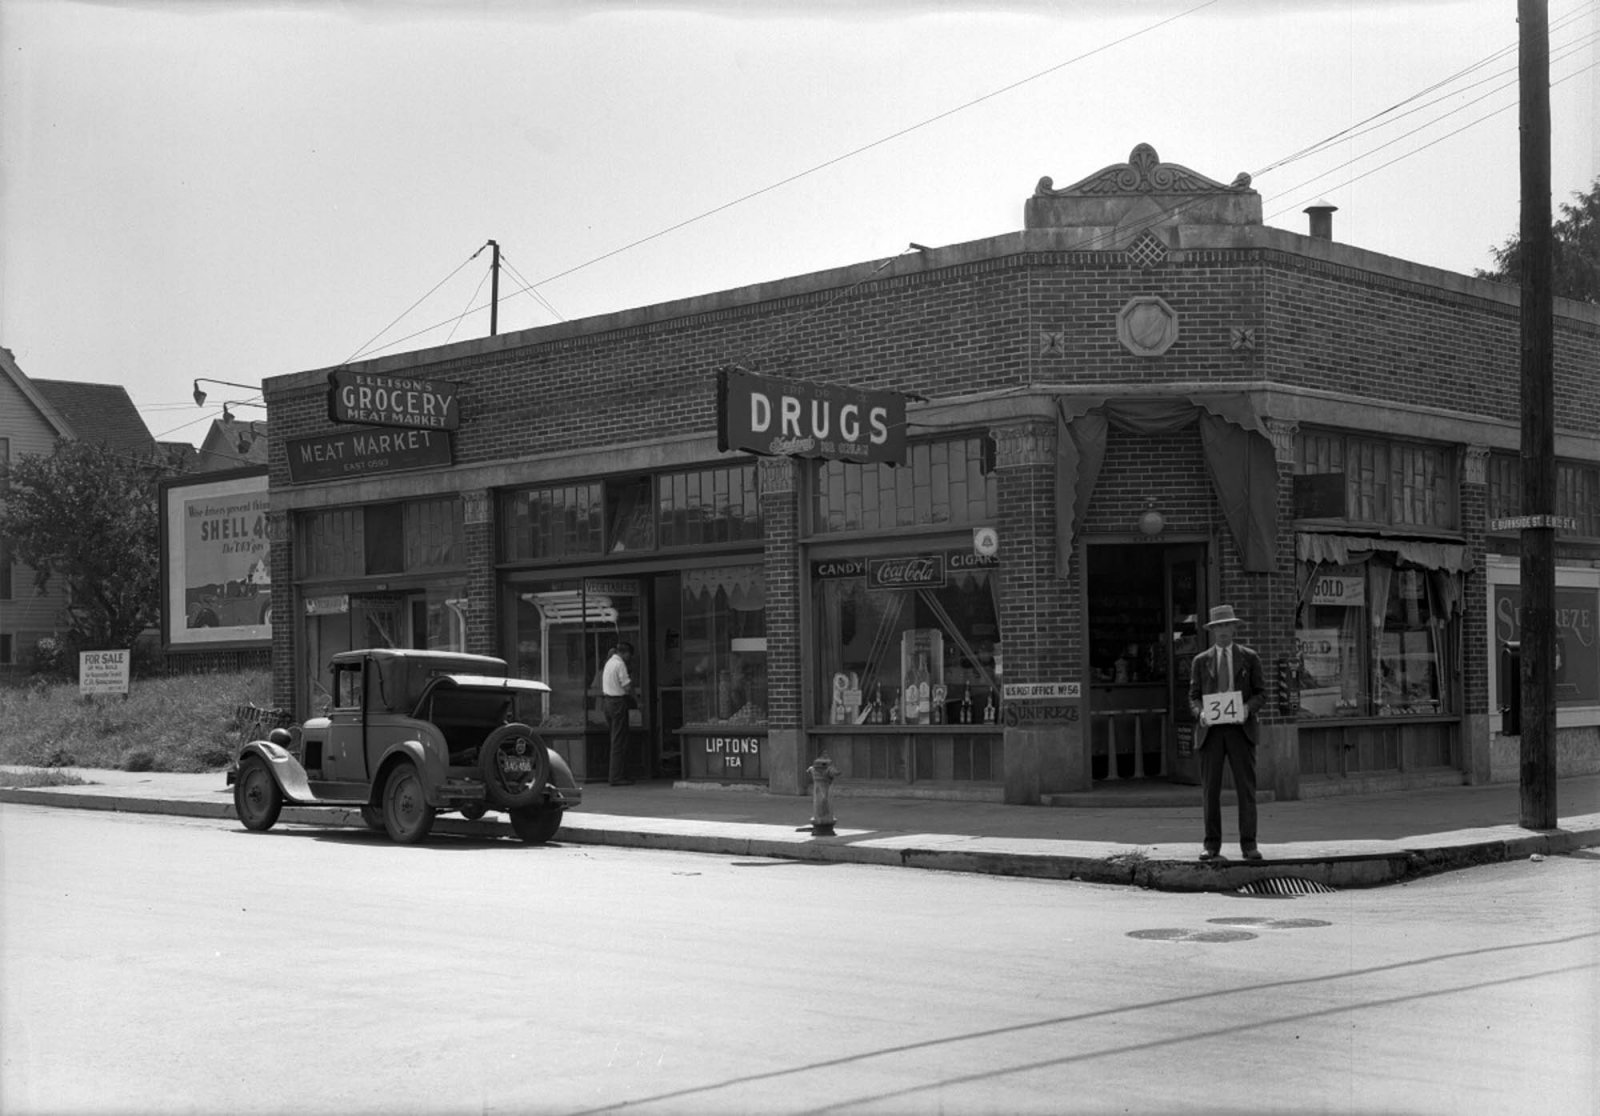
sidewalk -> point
(1349, 841)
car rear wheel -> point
(406, 813)
(537, 824)
(256, 797)
(373, 816)
(515, 766)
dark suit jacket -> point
(1248, 679)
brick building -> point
(1144, 403)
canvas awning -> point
(1239, 457)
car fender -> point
(433, 766)
(286, 770)
(560, 773)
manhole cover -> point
(1285, 885)
(1270, 923)
(1176, 934)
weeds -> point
(164, 724)
(35, 777)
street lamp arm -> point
(200, 396)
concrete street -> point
(159, 963)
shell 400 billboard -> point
(216, 579)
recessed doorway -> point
(1144, 605)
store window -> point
(1376, 638)
(1374, 481)
(950, 481)
(724, 646)
(563, 632)
(910, 639)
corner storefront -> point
(960, 532)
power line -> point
(809, 171)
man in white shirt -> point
(1230, 668)
(615, 686)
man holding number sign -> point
(1226, 687)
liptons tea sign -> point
(789, 418)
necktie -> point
(1225, 678)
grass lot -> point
(166, 724)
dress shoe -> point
(1210, 854)
(1252, 854)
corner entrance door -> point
(1184, 570)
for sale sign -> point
(103, 672)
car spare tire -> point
(515, 766)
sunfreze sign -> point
(792, 419)
(373, 400)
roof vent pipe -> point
(1321, 213)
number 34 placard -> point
(1227, 708)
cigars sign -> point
(785, 418)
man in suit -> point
(1227, 734)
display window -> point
(564, 630)
(910, 639)
(723, 646)
(1375, 638)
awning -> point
(744, 585)
(1238, 454)
(1320, 546)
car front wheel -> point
(373, 816)
(536, 824)
(256, 797)
(406, 813)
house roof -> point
(100, 414)
(30, 391)
(232, 445)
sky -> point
(234, 189)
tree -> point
(88, 517)
(1575, 251)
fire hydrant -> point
(822, 773)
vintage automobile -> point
(411, 734)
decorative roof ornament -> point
(1143, 173)
(1108, 210)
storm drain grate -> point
(1285, 885)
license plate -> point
(520, 765)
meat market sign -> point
(785, 418)
(354, 453)
(373, 400)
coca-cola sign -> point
(917, 571)
(803, 419)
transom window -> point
(691, 507)
(1374, 482)
(945, 482)
(1577, 492)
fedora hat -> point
(1222, 614)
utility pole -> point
(1538, 424)
(495, 285)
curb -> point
(1128, 868)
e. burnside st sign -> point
(788, 418)
(370, 399)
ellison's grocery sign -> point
(373, 400)
(789, 419)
